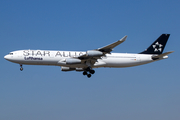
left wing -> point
(97, 53)
(109, 48)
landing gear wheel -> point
(92, 71)
(88, 69)
(84, 73)
(89, 75)
(21, 69)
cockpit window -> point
(10, 53)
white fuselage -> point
(58, 58)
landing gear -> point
(89, 75)
(88, 72)
(92, 71)
(84, 73)
(21, 68)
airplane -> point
(87, 61)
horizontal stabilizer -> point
(154, 57)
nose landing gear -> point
(21, 68)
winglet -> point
(110, 47)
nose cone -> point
(6, 57)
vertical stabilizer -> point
(158, 46)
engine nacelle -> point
(71, 69)
(73, 61)
(79, 69)
(93, 53)
(67, 69)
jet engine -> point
(94, 53)
(71, 69)
(73, 61)
(79, 69)
(67, 69)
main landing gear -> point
(21, 68)
(88, 72)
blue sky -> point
(44, 92)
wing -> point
(97, 53)
(109, 48)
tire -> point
(84, 73)
(92, 71)
(89, 75)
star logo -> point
(157, 47)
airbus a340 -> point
(87, 61)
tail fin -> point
(158, 46)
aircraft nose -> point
(5, 57)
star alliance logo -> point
(157, 47)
